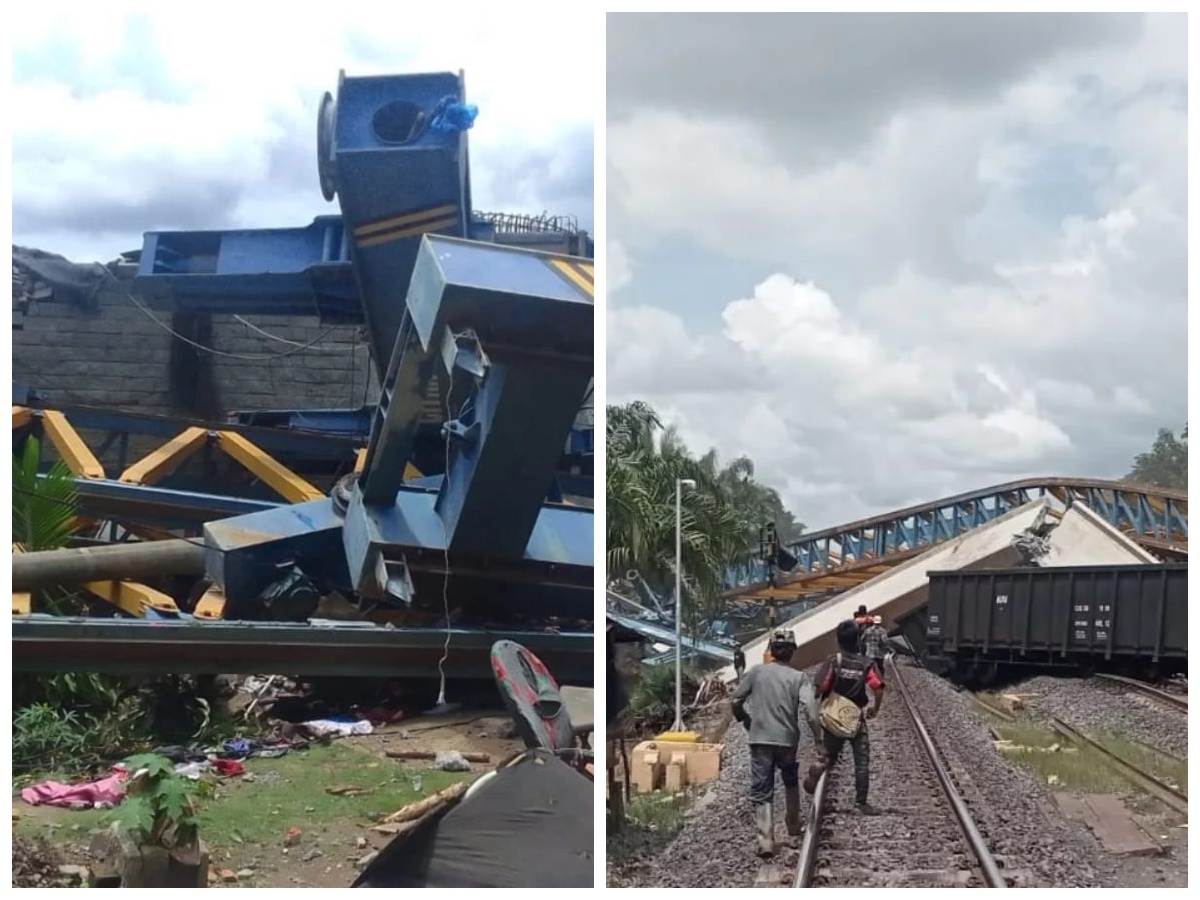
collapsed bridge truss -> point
(841, 557)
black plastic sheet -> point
(529, 826)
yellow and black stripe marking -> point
(578, 272)
(413, 224)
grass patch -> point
(289, 792)
(1055, 760)
(1162, 767)
(292, 793)
(658, 811)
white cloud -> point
(978, 289)
(617, 268)
(116, 110)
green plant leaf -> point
(135, 814)
(155, 765)
(173, 799)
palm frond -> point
(43, 507)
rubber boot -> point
(764, 820)
(791, 815)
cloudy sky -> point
(139, 121)
(893, 257)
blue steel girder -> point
(513, 331)
(553, 576)
(393, 150)
(1155, 517)
(282, 271)
(272, 271)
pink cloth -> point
(51, 793)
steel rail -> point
(992, 875)
(1172, 797)
(1173, 700)
(806, 868)
(992, 709)
(975, 839)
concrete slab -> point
(1112, 824)
(902, 588)
(1080, 538)
(1083, 538)
(581, 705)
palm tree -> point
(43, 511)
(720, 516)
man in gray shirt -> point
(781, 702)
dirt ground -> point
(246, 823)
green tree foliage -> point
(43, 508)
(1165, 463)
(721, 517)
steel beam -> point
(516, 332)
(70, 446)
(279, 478)
(164, 507)
(1147, 514)
(162, 461)
(400, 553)
(123, 646)
(304, 271)
(393, 150)
(276, 271)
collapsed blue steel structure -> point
(481, 330)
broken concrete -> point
(1111, 822)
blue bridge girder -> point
(302, 271)
(513, 330)
(490, 339)
(1155, 517)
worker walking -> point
(776, 703)
(843, 682)
(739, 662)
(875, 644)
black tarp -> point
(528, 826)
(76, 283)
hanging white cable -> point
(441, 701)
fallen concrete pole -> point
(1081, 538)
(115, 562)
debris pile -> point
(35, 864)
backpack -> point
(840, 716)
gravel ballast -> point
(1097, 706)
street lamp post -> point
(680, 484)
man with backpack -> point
(842, 688)
(779, 699)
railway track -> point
(1155, 787)
(1175, 701)
(924, 835)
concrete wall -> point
(116, 356)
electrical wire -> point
(441, 701)
(268, 357)
(290, 343)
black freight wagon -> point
(1131, 618)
